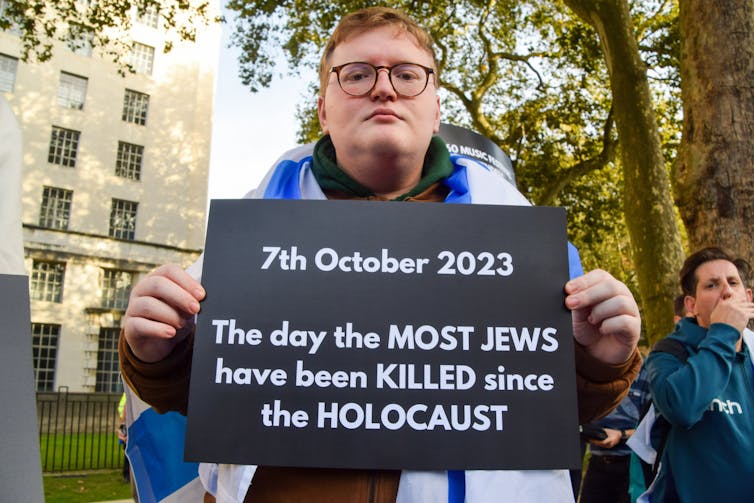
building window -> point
(44, 347)
(128, 163)
(72, 91)
(116, 287)
(135, 106)
(47, 281)
(142, 58)
(55, 212)
(8, 68)
(80, 40)
(123, 219)
(64, 145)
(150, 16)
(108, 370)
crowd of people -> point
(380, 112)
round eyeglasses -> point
(358, 79)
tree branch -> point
(606, 156)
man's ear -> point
(690, 303)
(748, 294)
(321, 114)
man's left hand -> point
(606, 318)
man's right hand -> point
(161, 312)
(736, 312)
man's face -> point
(381, 122)
(716, 280)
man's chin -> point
(386, 140)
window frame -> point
(45, 340)
(107, 374)
(55, 208)
(129, 160)
(64, 147)
(70, 93)
(80, 40)
(115, 296)
(123, 210)
(135, 107)
(141, 58)
(10, 87)
(150, 16)
(47, 280)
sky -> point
(249, 131)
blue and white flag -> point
(155, 451)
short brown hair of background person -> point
(691, 264)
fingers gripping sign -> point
(161, 312)
(606, 317)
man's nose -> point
(383, 88)
(727, 291)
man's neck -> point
(396, 175)
(436, 166)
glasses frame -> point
(427, 71)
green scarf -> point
(437, 166)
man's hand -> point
(735, 312)
(605, 316)
(161, 312)
(613, 439)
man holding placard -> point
(379, 110)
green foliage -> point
(526, 74)
(306, 114)
(97, 23)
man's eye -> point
(406, 75)
(355, 75)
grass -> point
(79, 452)
(101, 485)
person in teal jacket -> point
(708, 399)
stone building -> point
(114, 184)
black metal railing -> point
(77, 431)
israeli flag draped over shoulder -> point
(471, 183)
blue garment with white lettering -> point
(709, 401)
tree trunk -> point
(714, 175)
(648, 207)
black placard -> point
(360, 337)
